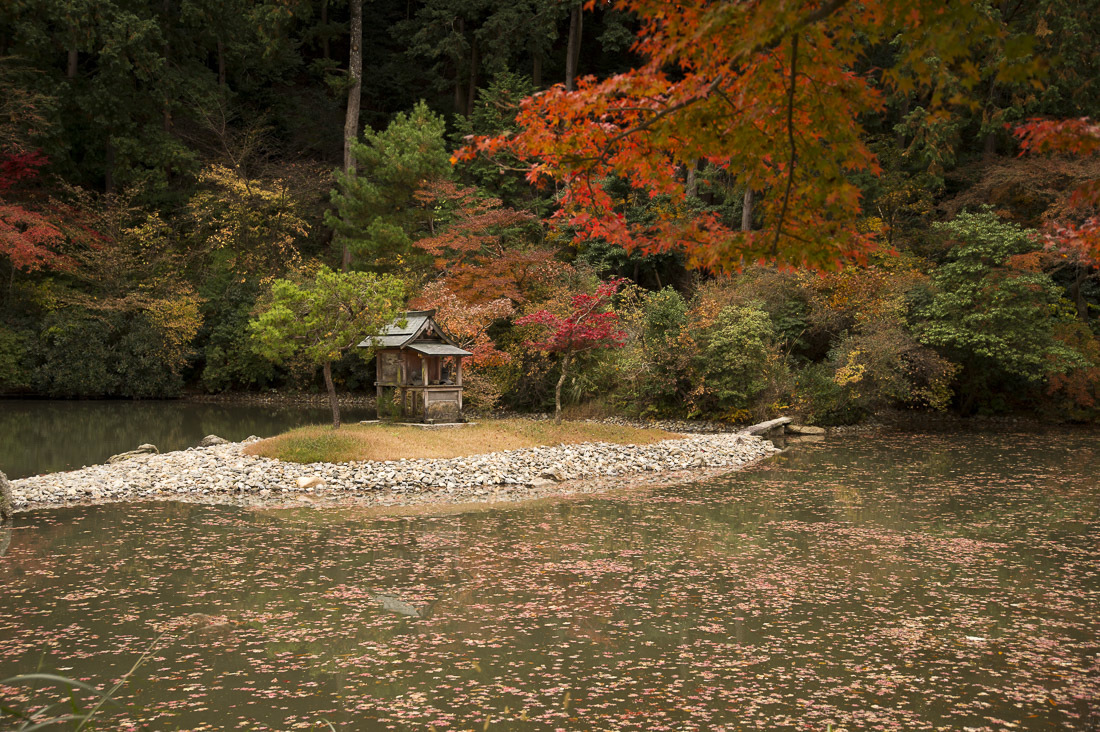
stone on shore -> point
(141, 450)
(6, 509)
(211, 440)
(764, 427)
(805, 429)
(310, 482)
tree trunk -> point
(166, 11)
(1079, 296)
(573, 49)
(351, 120)
(460, 94)
(109, 169)
(221, 63)
(557, 389)
(899, 136)
(989, 146)
(691, 185)
(324, 25)
(74, 57)
(471, 90)
(327, 369)
(536, 70)
(746, 211)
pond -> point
(904, 581)
(44, 436)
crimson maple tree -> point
(29, 239)
(1077, 239)
(589, 326)
(771, 91)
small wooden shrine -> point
(422, 366)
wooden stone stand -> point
(425, 398)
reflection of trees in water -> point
(48, 435)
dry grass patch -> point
(392, 442)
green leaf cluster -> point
(325, 315)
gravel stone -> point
(223, 474)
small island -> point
(505, 460)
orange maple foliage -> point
(472, 249)
(467, 323)
(769, 90)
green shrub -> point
(13, 350)
(825, 402)
(229, 360)
(997, 320)
(884, 366)
(665, 350)
(83, 353)
(731, 367)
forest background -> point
(162, 163)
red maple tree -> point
(771, 91)
(29, 239)
(590, 325)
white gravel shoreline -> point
(223, 474)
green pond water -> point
(903, 582)
(44, 436)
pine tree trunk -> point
(573, 49)
(166, 11)
(557, 389)
(351, 120)
(324, 23)
(989, 146)
(899, 136)
(746, 211)
(327, 370)
(74, 57)
(460, 93)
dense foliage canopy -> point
(825, 206)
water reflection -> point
(909, 582)
(42, 436)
